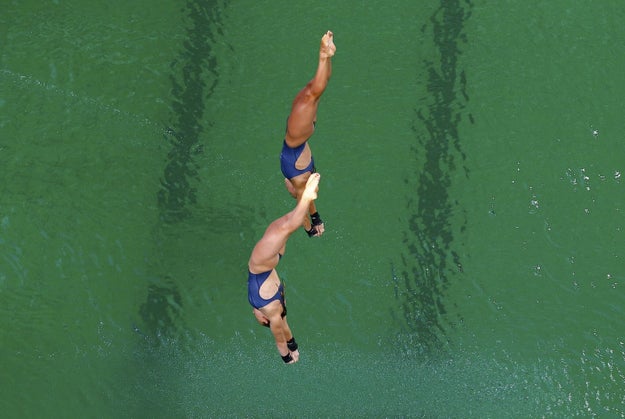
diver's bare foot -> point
(312, 186)
(327, 48)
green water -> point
(471, 157)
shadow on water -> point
(194, 77)
(430, 260)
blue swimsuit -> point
(254, 282)
(289, 156)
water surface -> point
(471, 167)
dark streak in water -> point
(194, 78)
(197, 80)
(430, 260)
